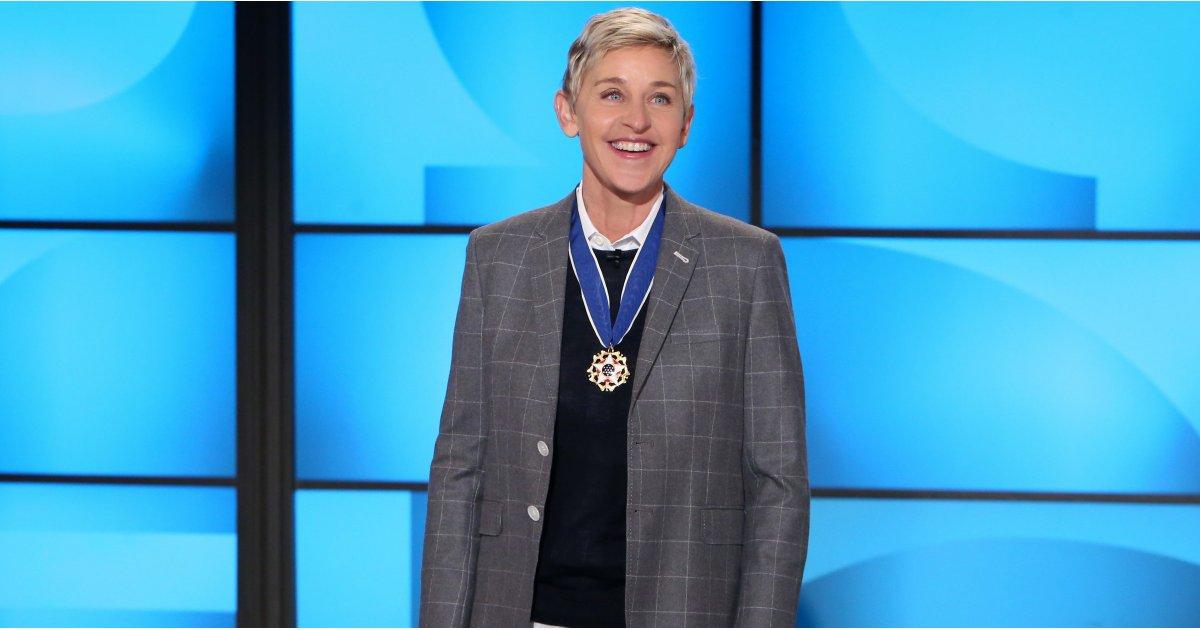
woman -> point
(622, 442)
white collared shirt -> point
(632, 240)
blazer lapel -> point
(676, 261)
(548, 271)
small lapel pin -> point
(681, 256)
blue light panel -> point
(440, 117)
(916, 563)
(116, 111)
(101, 555)
(1069, 116)
(118, 353)
(374, 325)
(358, 557)
(1063, 366)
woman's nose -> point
(637, 117)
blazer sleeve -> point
(451, 545)
(775, 530)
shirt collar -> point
(632, 240)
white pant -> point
(545, 625)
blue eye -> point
(662, 98)
(610, 93)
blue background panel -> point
(374, 326)
(358, 557)
(104, 555)
(1064, 366)
(1001, 563)
(118, 353)
(1069, 116)
(116, 111)
(443, 118)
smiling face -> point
(630, 118)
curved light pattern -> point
(443, 118)
(1000, 365)
(48, 53)
(374, 325)
(114, 111)
(100, 555)
(983, 563)
(984, 116)
(118, 353)
(1109, 90)
(358, 557)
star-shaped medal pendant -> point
(608, 370)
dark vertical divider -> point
(756, 113)
(266, 467)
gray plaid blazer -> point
(718, 496)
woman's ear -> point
(687, 125)
(566, 116)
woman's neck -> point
(614, 215)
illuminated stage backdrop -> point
(982, 365)
(989, 212)
(117, 347)
(1054, 116)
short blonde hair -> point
(623, 28)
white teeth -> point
(631, 146)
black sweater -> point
(580, 579)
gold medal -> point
(608, 370)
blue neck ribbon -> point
(595, 291)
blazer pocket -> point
(697, 337)
(491, 517)
(721, 526)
